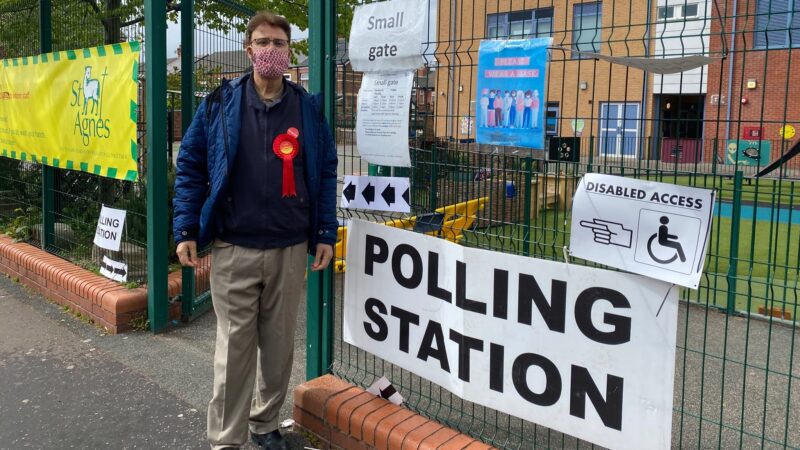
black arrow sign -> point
(350, 192)
(405, 196)
(388, 195)
(121, 271)
(369, 193)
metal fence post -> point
(433, 202)
(322, 78)
(157, 195)
(733, 262)
(187, 111)
(48, 173)
(526, 251)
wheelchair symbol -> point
(665, 240)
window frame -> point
(552, 107)
(763, 33)
(499, 22)
(598, 30)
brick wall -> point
(771, 104)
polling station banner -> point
(74, 109)
(584, 351)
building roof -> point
(234, 61)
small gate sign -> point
(109, 228)
(387, 36)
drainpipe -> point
(731, 53)
(643, 112)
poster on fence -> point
(387, 36)
(74, 109)
(584, 351)
(748, 152)
(115, 270)
(511, 92)
(108, 234)
(659, 230)
(382, 118)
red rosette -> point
(286, 147)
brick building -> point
(684, 117)
(585, 97)
(752, 91)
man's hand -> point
(187, 253)
(323, 258)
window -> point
(551, 119)
(677, 12)
(586, 23)
(777, 24)
(520, 24)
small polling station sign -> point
(109, 228)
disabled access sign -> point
(659, 230)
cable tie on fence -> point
(664, 300)
(566, 254)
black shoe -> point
(270, 441)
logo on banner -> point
(87, 101)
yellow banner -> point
(74, 109)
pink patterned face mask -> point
(270, 62)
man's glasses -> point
(264, 42)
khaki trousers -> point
(255, 295)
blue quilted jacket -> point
(206, 157)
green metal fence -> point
(58, 209)
(737, 361)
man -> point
(256, 175)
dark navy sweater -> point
(254, 213)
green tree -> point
(87, 23)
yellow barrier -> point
(454, 220)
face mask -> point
(270, 62)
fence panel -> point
(737, 369)
(77, 196)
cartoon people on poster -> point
(511, 76)
(515, 109)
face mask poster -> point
(585, 351)
(74, 109)
(511, 92)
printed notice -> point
(659, 230)
(382, 121)
(387, 36)
(585, 351)
(109, 228)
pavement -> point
(67, 384)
